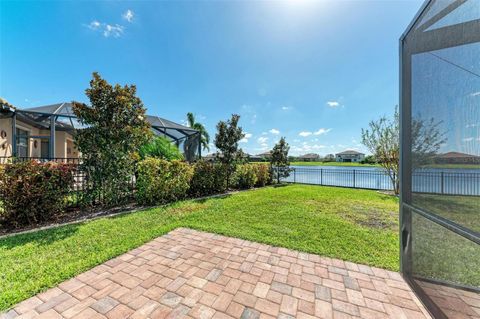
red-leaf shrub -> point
(32, 192)
(264, 177)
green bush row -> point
(160, 181)
(32, 192)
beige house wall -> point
(64, 146)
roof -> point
(456, 155)
(161, 126)
(349, 152)
(269, 153)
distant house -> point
(457, 158)
(349, 156)
(265, 156)
(310, 157)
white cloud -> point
(274, 131)
(467, 139)
(108, 30)
(262, 140)
(286, 108)
(113, 30)
(94, 25)
(475, 93)
(128, 15)
(246, 138)
(333, 104)
(305, 134)
(322, 131)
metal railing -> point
(82, 193)
(435, 182)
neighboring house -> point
(265, 156)
(47, 132)
(457, 158)
(311, 157)
(349, 156)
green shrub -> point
(245, 176)
(264, 176)
(208, 178)
(160, 147)
(34, 192)
(160, 181)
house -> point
(265, 156)
(310, 157)
(46, 132)
(457, 158)
(349, 156)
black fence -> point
(423, 181)
(82, 192)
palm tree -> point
(204, 137)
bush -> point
(160, 147)
(34, 192)
(208, 178)
(245, 176)
(160, 181)
(264, 176)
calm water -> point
(432, 180)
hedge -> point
(160, 181)
(34, 192)
(208, 179)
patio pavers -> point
(193, 274)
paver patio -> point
(193, 274)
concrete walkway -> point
(191, 274)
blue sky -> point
(314, 72)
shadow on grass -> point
(41, 237)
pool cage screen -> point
(440, 132)
(60, 117)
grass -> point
(356, 225)
(462, 210)
(333, 164)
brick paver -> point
(191, 274)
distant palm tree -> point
(204, 137)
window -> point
(22, 143)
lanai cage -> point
(440, 131)
(46, 132)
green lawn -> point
(332, 164)
(356, 225)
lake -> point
(450, 181)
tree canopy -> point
(226, 141)
(114, 129)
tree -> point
(204, 136)
(226, 141)
(160, 147)
(114, 129)
(279, 159)
(383, 141)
